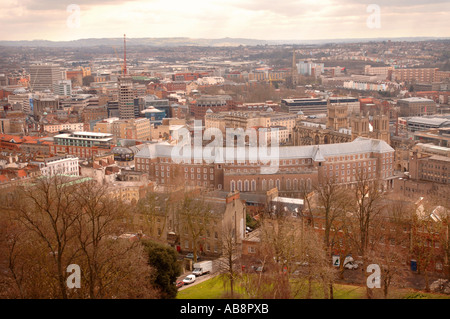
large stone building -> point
(224, 214)
(339, 129)
(252, 119)
(298, 169)
(215, 103)
(416, 106)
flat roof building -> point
(416, 106)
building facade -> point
(299, 167)
(126, 97)
(416, 106)
(45, 77)
(84, 145)
(59, 165)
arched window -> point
(278, 184)
(296, 184)
(246, 186)
(302, 184)
(253, 186)
(308, 184)
(239, 186)
(288, 184)
(264, 185)
(232, 186)
(270, 183)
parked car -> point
(191, 256)
(189, 279)
(349, 262)
(179, 283)
(258, 268)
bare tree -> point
(229, 262)
(194, 215)
(441, 201)
(425, 234)
(389, 243)
(292, 258)
(332, 203)
(365, 208)
(61, 221)
(49, 210)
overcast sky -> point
(256, 19)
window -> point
(264, 185)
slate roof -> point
(318, 153)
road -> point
(200, 279)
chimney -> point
(232, 196)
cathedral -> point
(341, 128)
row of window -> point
(247, 185)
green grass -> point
(214, 289)
(209, 289)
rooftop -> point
(416, 99)
(315, 152)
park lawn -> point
(209, 289)
(214, 289)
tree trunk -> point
(331, 290)
(308, 296)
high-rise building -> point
(44, 77)
(310, 68)
(126, 97)
(64, 87)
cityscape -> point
(224, 166)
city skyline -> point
(252, 19)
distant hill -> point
(175, 42)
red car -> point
(179, 284)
